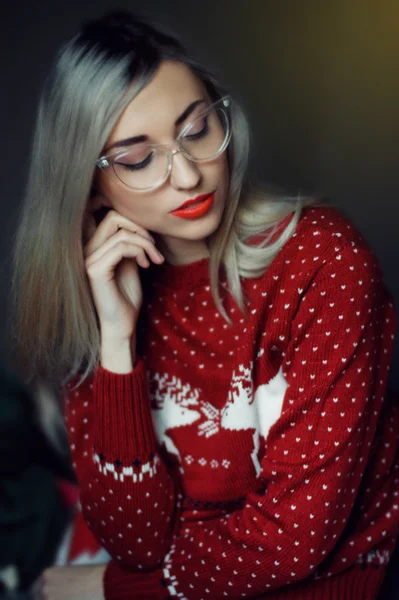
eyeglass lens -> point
(142, 166)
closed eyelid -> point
(203, 110)
(188, 115)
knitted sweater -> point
(257, 459)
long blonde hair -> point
(55, 331)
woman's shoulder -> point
(322, 220)
(324, 242)
(322, 232)
(332, 221)
(322, 237)
(325, 232)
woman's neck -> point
(182, 252)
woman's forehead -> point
(173, 88)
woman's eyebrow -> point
(143, 138)
(188, 111)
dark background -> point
(319, 80)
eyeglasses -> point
(147, 166)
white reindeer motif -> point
(173, 402)
(244, 410)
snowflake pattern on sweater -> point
(238, 459)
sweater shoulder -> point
(324, 244)
(320, 230)
(331, 225)
(323, 232)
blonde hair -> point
(55, 330)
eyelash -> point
(145, 162)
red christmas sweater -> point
(257, 459)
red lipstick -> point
(192, 209)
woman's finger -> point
(126, 238)
(106, 265)
(111, 223)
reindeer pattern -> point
(177, 405)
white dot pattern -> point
(306, 468)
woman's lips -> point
(194, 200)
(197, 209)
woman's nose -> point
(185, 173)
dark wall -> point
(319, 81)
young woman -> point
(223, 352)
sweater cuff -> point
(123, 414)
(125, 585)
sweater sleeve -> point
(128, 499)
(336, 365)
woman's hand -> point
(112, 253)
(70, 583)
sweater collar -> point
(182, 276)
(195, 274)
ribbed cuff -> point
(124, 428)
(124, 585)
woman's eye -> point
(194, 133)
(131, 164)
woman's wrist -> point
(118, 355)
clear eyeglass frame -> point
(224, 104)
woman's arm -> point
(128, 498)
